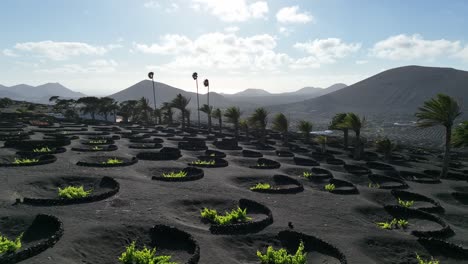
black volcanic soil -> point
(98, 232)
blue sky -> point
(102, 46)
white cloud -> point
(152, 4)
(285, 31)
(232, 10)
(327, 50)
(463, 53)
(231, 29)
(404, 47)
(361, 62)
(171, 44)
(96, 66)
(61, 50)
(173, 7)
(9, 53)
(292, 15)
(103, 63)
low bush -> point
(281, 256)
(395, 223)
(261, 165)
(261, 186)
(100, 141)
(373, 185)
(307, 174)
(42, 150)
(422, 261)
(330, 187)
(7, 246)
(72, 192)
(113, 161)
(173, 174)
(144, 256)
(235, 216)
(404, 203)
(97, 148)
(25, 161)
(203, 162)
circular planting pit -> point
(421, 224)
(39, 234)
(54, 137)
(379, 166)
(45, 193)
(335, 162)
(445, 249)
(320, 155)
(41, 151)
(28, 160)
(283, 153)
(215, 154)
(107, 161)
(461, 194)
(260, 214)
(370, 156)
(392, 250)
(147, 140)
(356, 169)
(421, 202)
(191, 174)
(145, 146)
(319, 174)
(278, 184)
(165, 153)
(97, 142)
(192, 145)
(227, 144)
(260, 146)
(113, 137)
(450, 175)
(305, 162)
(171, 239)
(209, 162)
(34, 144)
(343, 187)
(265, 164)
(386, 182)
(419, 177)
(251, 154)
(89, 148)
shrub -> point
(373, 185)
(72, 192)
(404, 203)
(235, 216)
(203, 162)
(42, 150)
(113, 161)
(261, 186)
(281, 256)
(212, 155)
(7, 246)
(25, 161)
(172, 174)
(144, 256)
(96, 148)
(330, 187)
(395, 223)
(422, 261)
(261, 165)
(100, 141)
(307, 174)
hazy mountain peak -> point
(252, 92)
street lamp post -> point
(195, 77)
(151, 76)
(206, 83)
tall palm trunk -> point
(220, 120)
(448, 140)
(236, 130)
(357, 146)
(183, 118)
(346, 136)
(209, 122)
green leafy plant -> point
(373, 185)
(72, 192)
(42, 150)
(235, 216)
(7, 246)
(261, 186)
(307, 174)
(203, 162)
(173, 174)
(97, 148)
(281, 256)
(25, 161)
(423, 261)
(395, 223)
(144, 256)
(261, 165)
(99, 141)
(404, 203)
(112, 161)
(330, 187)
(213, 155)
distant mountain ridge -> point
(37, 94)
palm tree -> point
(158, 115)
(385, 146)
(207, 110)
(233, 115)
(355, 123)
(305, 128)
(195, 77)
(167, 112)
(335, 125)
(441, 110)
(322, 141)
(217, 113)
(144, 110)
(460, 135)
(181, 102)
(188, 114)
(127, 110)
(91, 105)
(259, 119)
(5, 102)
(53, 98)
(107, 105)
(281, 124)
(244, 124)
